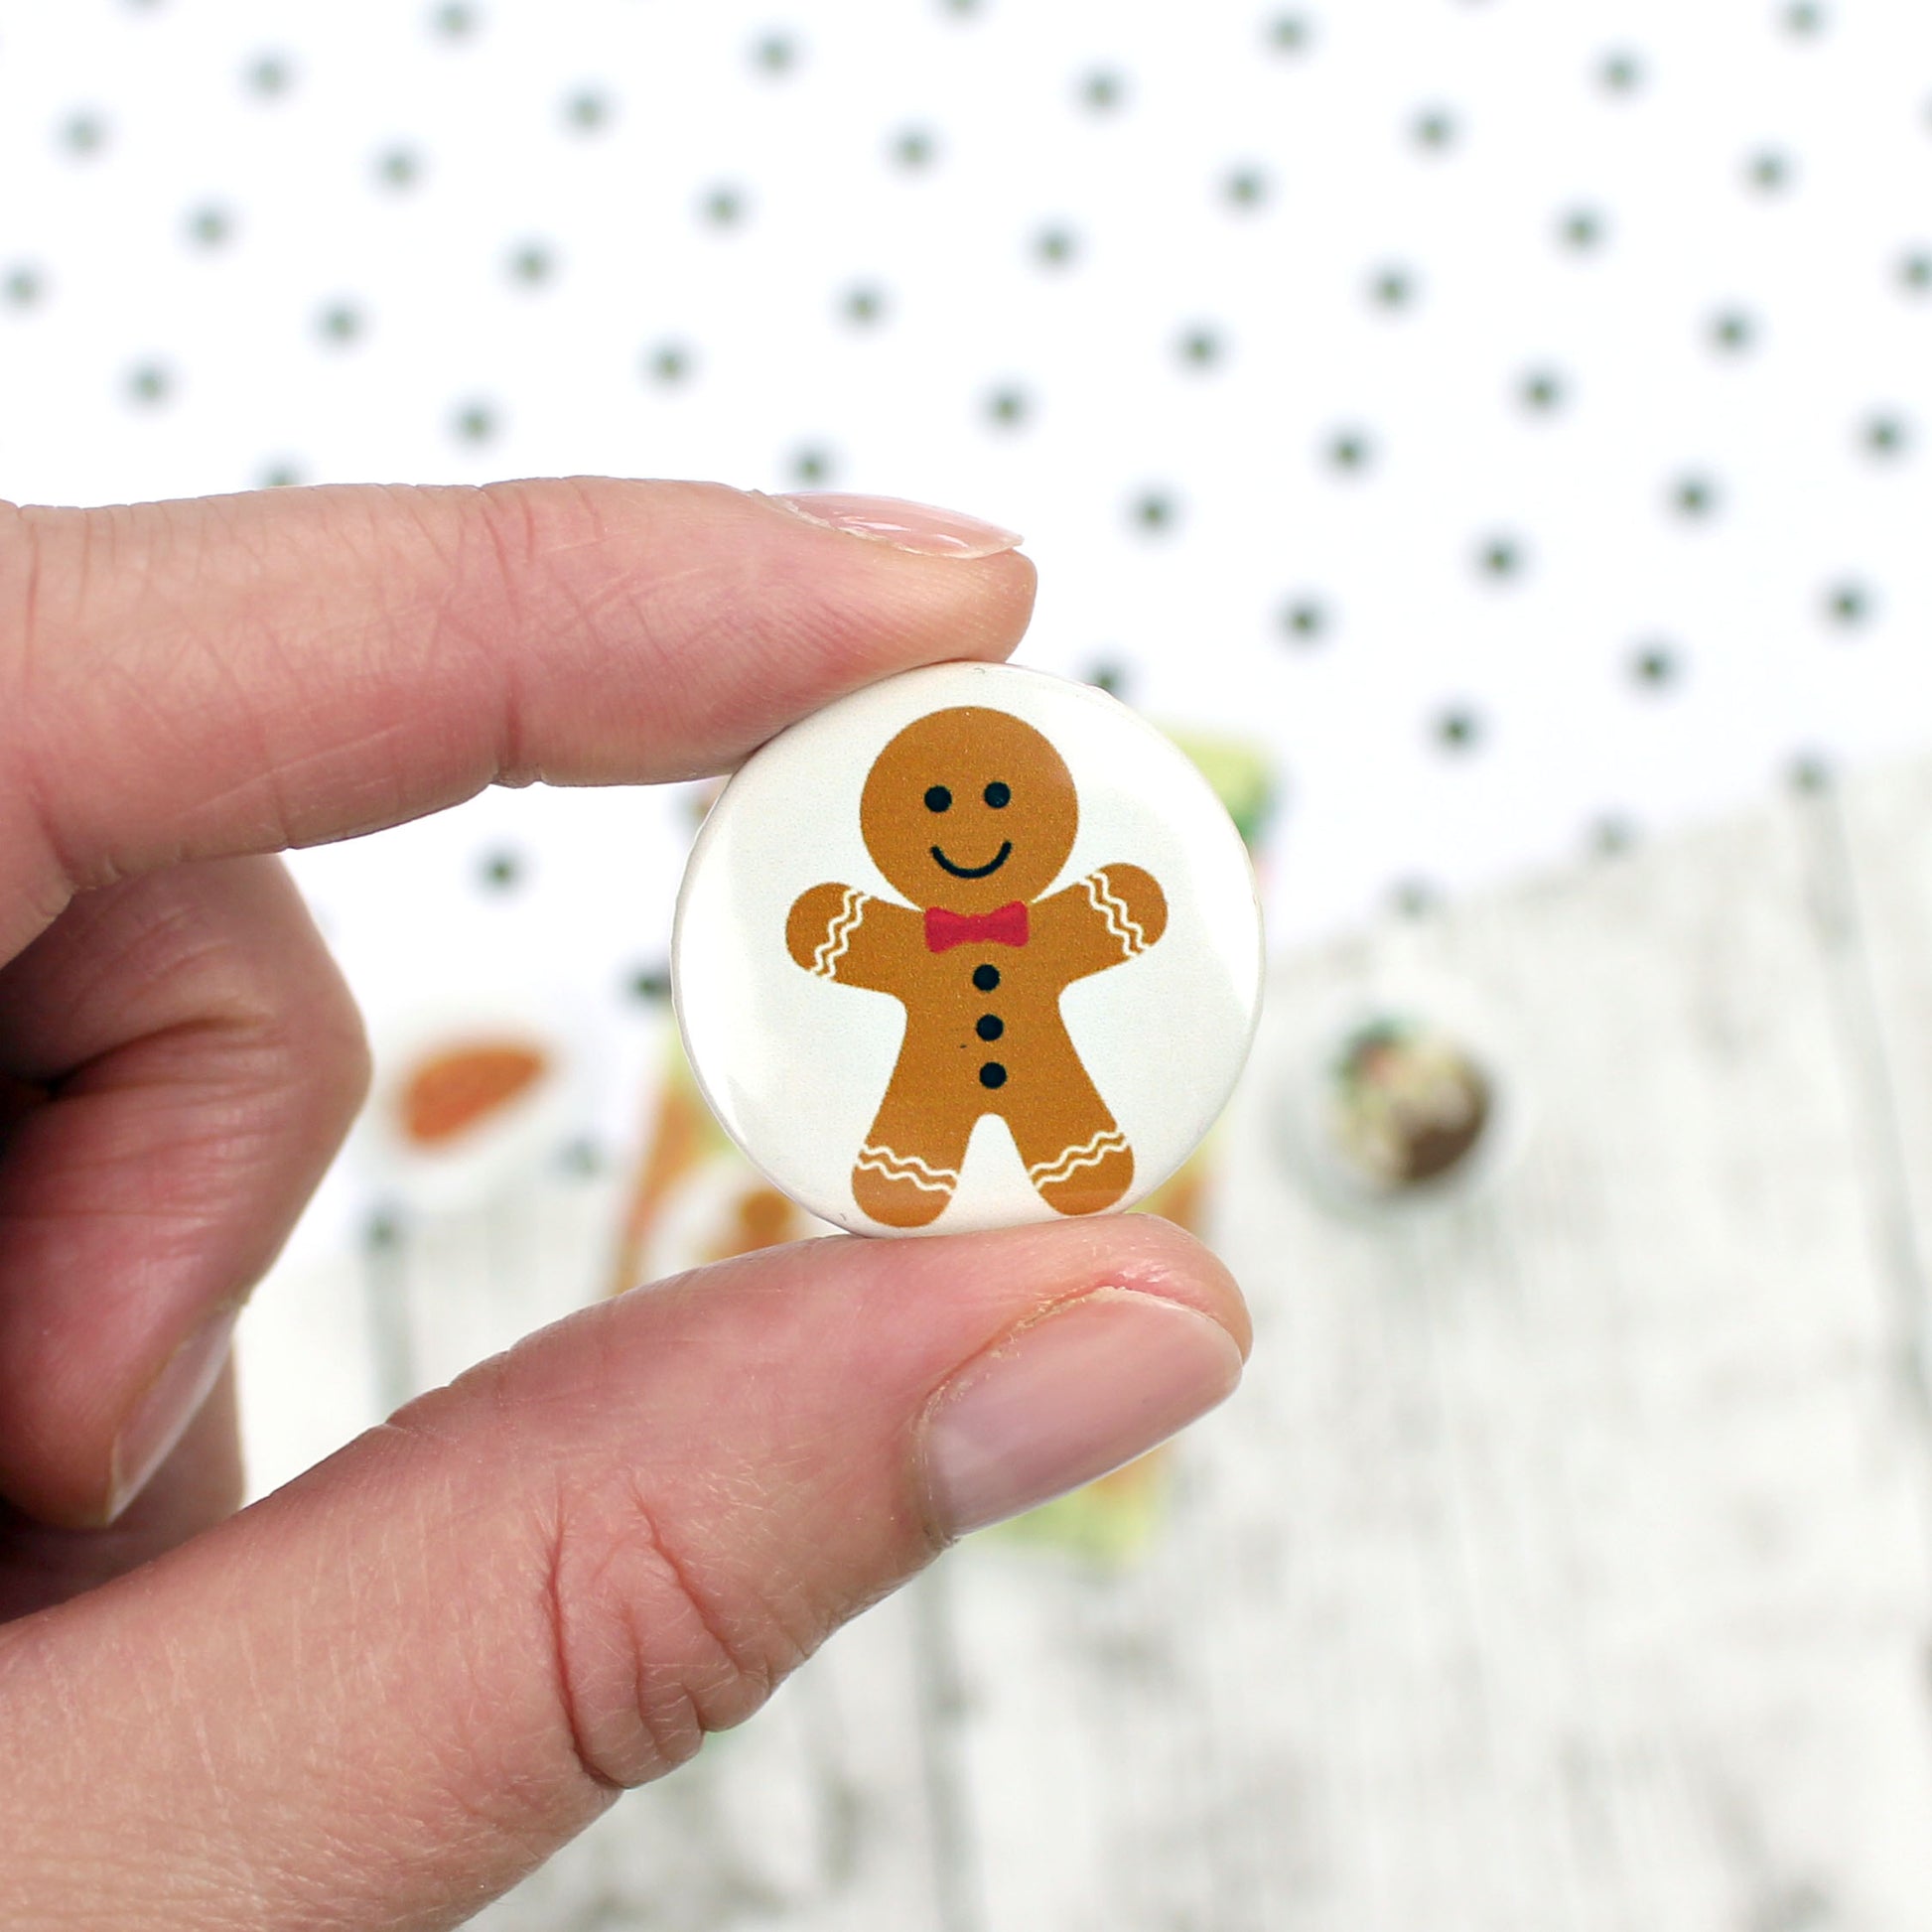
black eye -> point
(938, 799)
(996, 794)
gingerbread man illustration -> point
(971, 813)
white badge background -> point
(796, 1066)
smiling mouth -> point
(975, 871)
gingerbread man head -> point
(969, 810)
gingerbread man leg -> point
(908, 1168)
(1076, 1157)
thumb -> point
(381, 1696)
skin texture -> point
(381, 1696)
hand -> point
(381, 1694)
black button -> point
(986, 977)
(993, 1074)
(991, 1025)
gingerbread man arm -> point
(1110, 916)
(844, 934)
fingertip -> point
(738, 611)
(1183, 1268)
(1140, 1253)
(1066, 1397)
(919, 530)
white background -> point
(243, 241)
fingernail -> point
(171, 1402)
(917, 527)
(1065, 1400)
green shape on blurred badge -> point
(1242, 775)
(1110, 1522)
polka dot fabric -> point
(1513, 414)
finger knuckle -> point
(341, 1064)
(39, 550)
(524, 529)
(657, 1642)
(250, 1007)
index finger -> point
(242, 674)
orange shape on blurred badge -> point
(449, 1094)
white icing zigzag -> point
(838, 935)
(1113, 909)
(907, 1166)
(1069, 1160)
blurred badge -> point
(971, 947)
(1407, 1092)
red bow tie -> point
(1005, 928)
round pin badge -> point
(973, 947)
